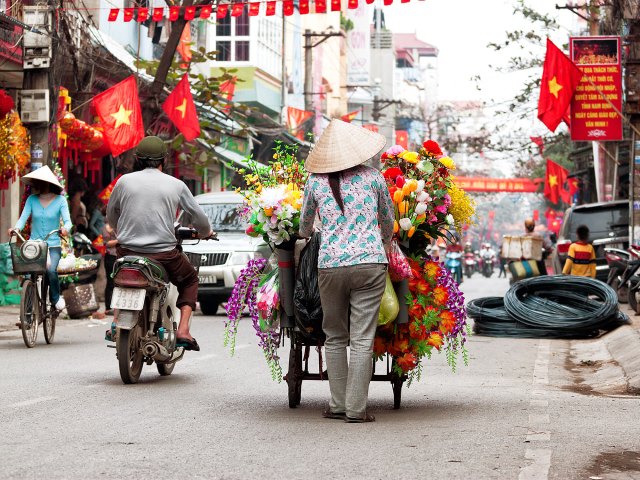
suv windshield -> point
(224, 217)
(601, 222)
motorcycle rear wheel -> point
(130, 358)
(165, 369)
(622, 291)
(633, 300)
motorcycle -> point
(626, 284)
(469, 264)
(488, 260)
(146, 322)
(453, 263)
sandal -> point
(336, 416)
(188, 344)
(366, 419)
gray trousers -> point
(356, 289)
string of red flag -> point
(173, 13)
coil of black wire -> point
(556, 306)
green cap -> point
(152, 148)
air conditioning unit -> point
(34, 106)
(36, 46)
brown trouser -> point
(181, 273)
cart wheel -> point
(294, 375)
(396, 384)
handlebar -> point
(186, 233)
(17, 233)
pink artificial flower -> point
(395, 150)
(441, 209)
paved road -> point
(520, 410)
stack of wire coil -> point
(557, 306)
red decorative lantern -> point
(6, 104)
(67, 121)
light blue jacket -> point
(43, 220)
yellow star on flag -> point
(182, 108)
(553, 180)
(554, 87)
(122, 116)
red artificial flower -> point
(400, 181)
(416, 330)
(432, 147)
(407, 362)
(435, 340)
(383, 157)
(379, 347)
(416, 311)
(432, 269)
(392, 173)
(419, 285)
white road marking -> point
(538, 468)
(33, 401)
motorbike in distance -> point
(453, 263)
(623, 266)
(145, 325)
(470, 264)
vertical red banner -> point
(593, 118)
(303, 6)
(321, 6)
(128, 14)
(143, 14)
(205, 11)
(271, 9)
(254, 9)
(287, 8)
(174, 13)
(189, 13)
(222, 9)
(158, 14)
(335, 5)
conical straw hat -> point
(43, 174)
(342, 146)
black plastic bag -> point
(306, 296)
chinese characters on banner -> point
(592, 117)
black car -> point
(608, 224)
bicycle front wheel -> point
(29, 313)
(49, 314)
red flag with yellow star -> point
(349, 117)
(180, 108)
(560, 77)
(120, 115)
(554, 181)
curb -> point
(623, 344)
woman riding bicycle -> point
(46, 207)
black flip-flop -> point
(188, 344)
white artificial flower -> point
(405, 224)
(449, 219)
(421, 208)
(425, 166)
(420, 186)
(423, 197)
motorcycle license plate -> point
(207, 279)
(128, 298)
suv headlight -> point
(242, 258)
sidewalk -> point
(9, 315)
(624, 346)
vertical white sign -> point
(359, 45)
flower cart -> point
(77, 275)
(422, 308)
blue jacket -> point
(43, 220)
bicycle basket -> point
(30, 257)
(195, 259)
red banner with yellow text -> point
(482, 184)
(593, 118)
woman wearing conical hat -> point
(46, 207)
(356, 223)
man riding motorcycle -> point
(142, 209)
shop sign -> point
(593, 118)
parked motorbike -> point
(146, 321)
(470, 264)
(82, 245)
(623, 265)
(453, 263)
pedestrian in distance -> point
(356, 226)
(47, 209)
(581, 259)
(110, 257)
(547, 248)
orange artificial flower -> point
(407, 362)
(432, 269)
(396, 226)
(398, 196)
(403, 207)
(411, 231)
(441, 295)
(416, 330)
(435, 340)
(379, 346)
(447, 322)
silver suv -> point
(222, 261)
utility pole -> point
(379, 105)
(308, 46)
(36, 95)
(632, 109)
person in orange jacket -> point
(581, 259)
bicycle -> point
(30, 260)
